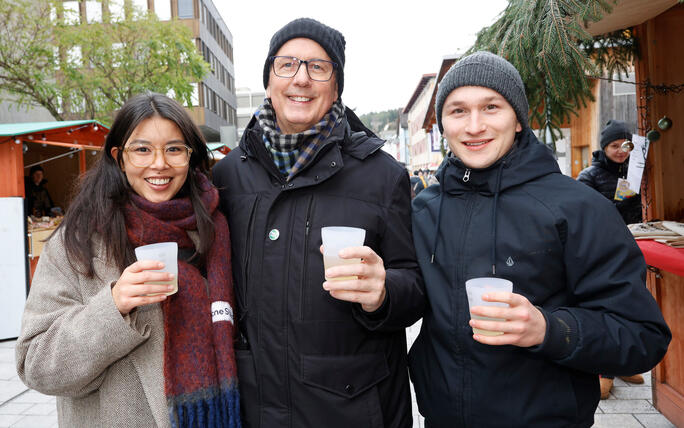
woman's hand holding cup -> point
(133, 287)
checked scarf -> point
(291, 152)
(200, 380)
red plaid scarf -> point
(199, 362)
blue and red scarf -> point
(199, 361)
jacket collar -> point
(528, 159)
(352, 137)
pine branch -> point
(547, 41)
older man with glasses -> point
(314, 352)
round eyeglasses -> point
(319, 70)
(143, 155)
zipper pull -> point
(466, 176)
(306, 232)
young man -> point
(503, 209)
(318, 353)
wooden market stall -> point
(63, 149)
(657, 26)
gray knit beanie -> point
(490, 71)
(331, 40)
(614, 130)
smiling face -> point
(298, 101)
(479, 125)
(159, 181)
(614, 151)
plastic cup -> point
(165, 252)
(335, 238)
(475, 288)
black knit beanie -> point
(330, 39)
(614, 130)
(487, 70)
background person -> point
(608, 165)
(317, 353)
(95, 331)
(503, 209)
(38, 200)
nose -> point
(475, 124)
(159, 161)
(302, 76)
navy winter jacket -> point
(565, 249)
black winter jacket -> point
(603, 175)
(311, 360)
(564, 248)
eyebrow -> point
(140, 141)
(484, 100)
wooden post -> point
(12, 167)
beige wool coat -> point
(106, 370)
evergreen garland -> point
(547, 42)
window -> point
(185, 9)
(116, 10)
(93, 11)
(140, 5)
(243, 101)
(194, 98)
(163, 9)
(74, 56)
(71, 13)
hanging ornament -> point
(653, 135)
(665, 123)
(627, 146)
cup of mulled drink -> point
(335, 238)
(165, 252)
(475, 288)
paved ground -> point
(629, 406)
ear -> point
(115, 153)
(518, 127)
(268, 91)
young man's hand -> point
(524, 324)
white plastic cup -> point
(335, 238)
(165, 252)
(475, 288)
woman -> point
(96, 332)
(610, 164)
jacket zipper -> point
(305, 264)
(248, 256)
(461, 280)
(466, 175)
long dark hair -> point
(102, 193)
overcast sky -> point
(389, 45)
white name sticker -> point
(221, 311)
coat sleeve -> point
(66, 345)
(614, 326)
(404, 285)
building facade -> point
(423, 143)
(214, 102)
(247, 103)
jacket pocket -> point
(344, 375)
(249, 391)
(342, 390)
